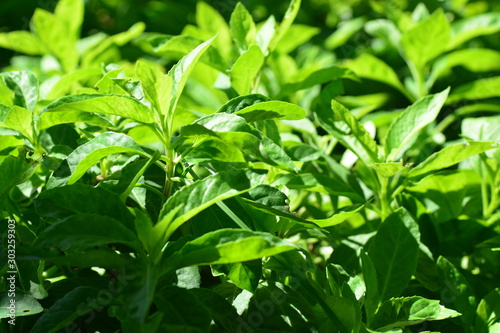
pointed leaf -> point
(488, 313)
(410, 122)
(25, 305)
(242, 27)
(156, 85)
(272, 110)
(123, 106)
(245, 70)
(290, 15)
(226, 246)
(21, 41)
(394, 253)
(186, 202)
(24, 84)
(471, 27)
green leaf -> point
(296, 35)
(372, 68)
(426, 40)
(241, 102)
(227, 246)
(242, 27)
(180, 73)
(245, 70)
(24, 84)
(212, 22)
(340, 216)
(67, 81)
(21, 41)
(19, 119)
(185, 203)
(319, 183)
(406, 311)
(479, 89)
(271, 110)
(156, 85)
(266, 34)
(389, 169)
(357, 129)
(71, 13)
(25, 305)
(88, 154)
(394, 253)
(449, 156)
(490, 61)
(319, 76)
(456, 291)
(488, 313)
(50, 119)
(344, 31)
(179, 46)
(86, 230)
(123, 106)
(52, 31)
(372, 293)
(410, 122)
(60, 202)
(95, 56)
(471, 27)
(15, 170)
(65, 310)
(246, 275)
(286, 23)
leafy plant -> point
(220, 183)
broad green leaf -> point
(344, 31)
(193, 310)
(372, 301)
(86, 231)
(209, 19)
(105, 258)
(456, 291)
(71, 13)
(394, 253)
(60, 202)
(449, 156)
(93, 57)
(357, 129)
(7, 141)
(123, 106)
(427, 39)
(296, 35)
(319, 76)
(227, 246)
(179, 46)
(479, 89)
(66, 309)
(389, 169)
(286, 23)
(21, 41)
(245, 70)
(265, 34)
(406, 311)
(66, 82)
(246, 275)
(15, 170)
(339, 216)
(490, 61)
(482, 128)
(25, 305)
(186, 202)
(471, 27)
(241, 102)
(19, 119)
(242, 27)
(156, 85)
(53, 35)
(49, 119)
(488, 313)
(410, 122)
(24, 84)
(180, 73)
(271, 110)
(319, 183)
(372, 68)
(88, 154)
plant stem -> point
(384, 202)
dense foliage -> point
(252, 173)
